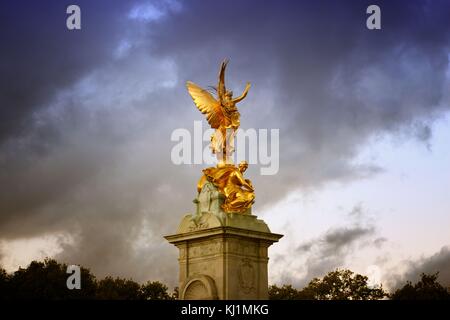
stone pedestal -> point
(222, 256)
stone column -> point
(222, 256)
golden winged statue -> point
(222, 115)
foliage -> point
(286, 292)
(155, 291)
(4, 283)
(175, 293)
(343, 285)
(47, 281)
(336, 285)
(118, 289)
(427, 288)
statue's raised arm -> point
(243, 95)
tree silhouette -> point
(175, 293)
(4, 284)
(155, 291)
(286, 292)
(47, 280)
(343, 285)
(336, 285)
(118, 289)
(427, 288)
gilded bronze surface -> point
(222, 115)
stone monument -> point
(223, 248)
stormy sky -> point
(87, 115)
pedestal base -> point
(222, 255)
(222, 260)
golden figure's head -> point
(243, 165)
(229, 95)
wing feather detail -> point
(207, 104)
(221, 90)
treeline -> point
(346, 285)
(47, 280)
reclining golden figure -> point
(229, 180)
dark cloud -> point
(318, 74)
(438, 262)
(357, 211)
(40, 56)
(332, 249)
(87, 116)
(378, 242)
(328, 252)
(337, 239)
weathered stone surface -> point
(222, 256)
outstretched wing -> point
(206, 103)
(221, 90)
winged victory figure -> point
(221, 113)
